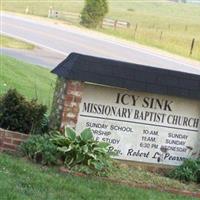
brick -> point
(68, 103)
(7, 140)
(70, 124)
(70, 90)
(13, 134)
(64, 120)
(67, 109)
(17, 142)
(1, 141)
(71, 86)
(63, 124)
(68, 98)
(2, 132)
(69, 82)
(73, 104)
(71, 115)
(197, 195)
(79, 88)
(75, 83)
(9, 134)
(77, 99)
(75, 120)
(9, 146)
(64, 114)
(24, 136)
(75, 110)
(75, 93)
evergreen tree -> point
(93, 13)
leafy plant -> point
(40, 149)
(82, 150)
(18, 114)
(93, 13)
(41, 126)
(188, 171)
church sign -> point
(151, 117)
(141, 126)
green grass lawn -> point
(134, 174)
(178, 22)
(21, 180)
(30, 80)
(10, 42)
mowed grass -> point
(21, 180)
(10, 42)
(167, 25)
(32, 81)
(139, 175)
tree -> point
(93, 13)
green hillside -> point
(30, 80)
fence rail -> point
(76, 16)
(115, 23)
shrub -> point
(18, 114)
(188, 171)
(82, 150)
(40, 149)
(42, 126)
(93, 13)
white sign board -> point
(141, 126)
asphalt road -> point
(63, 40)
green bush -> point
(82, 151)
(188, 171)
(40, 149)
(93, 13)
(18, 114)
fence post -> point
(27, 10)
(50, 12)
(192, 46)
(136, 26)
(101, 24)
(186, 27)
(161, 33)
(115, 24)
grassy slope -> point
(142, 176)
(30, 80)
(10, 42)
(20, 180)
(152, 18)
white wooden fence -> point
(76, 16)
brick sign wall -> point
(140, 126)
(10, 140)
